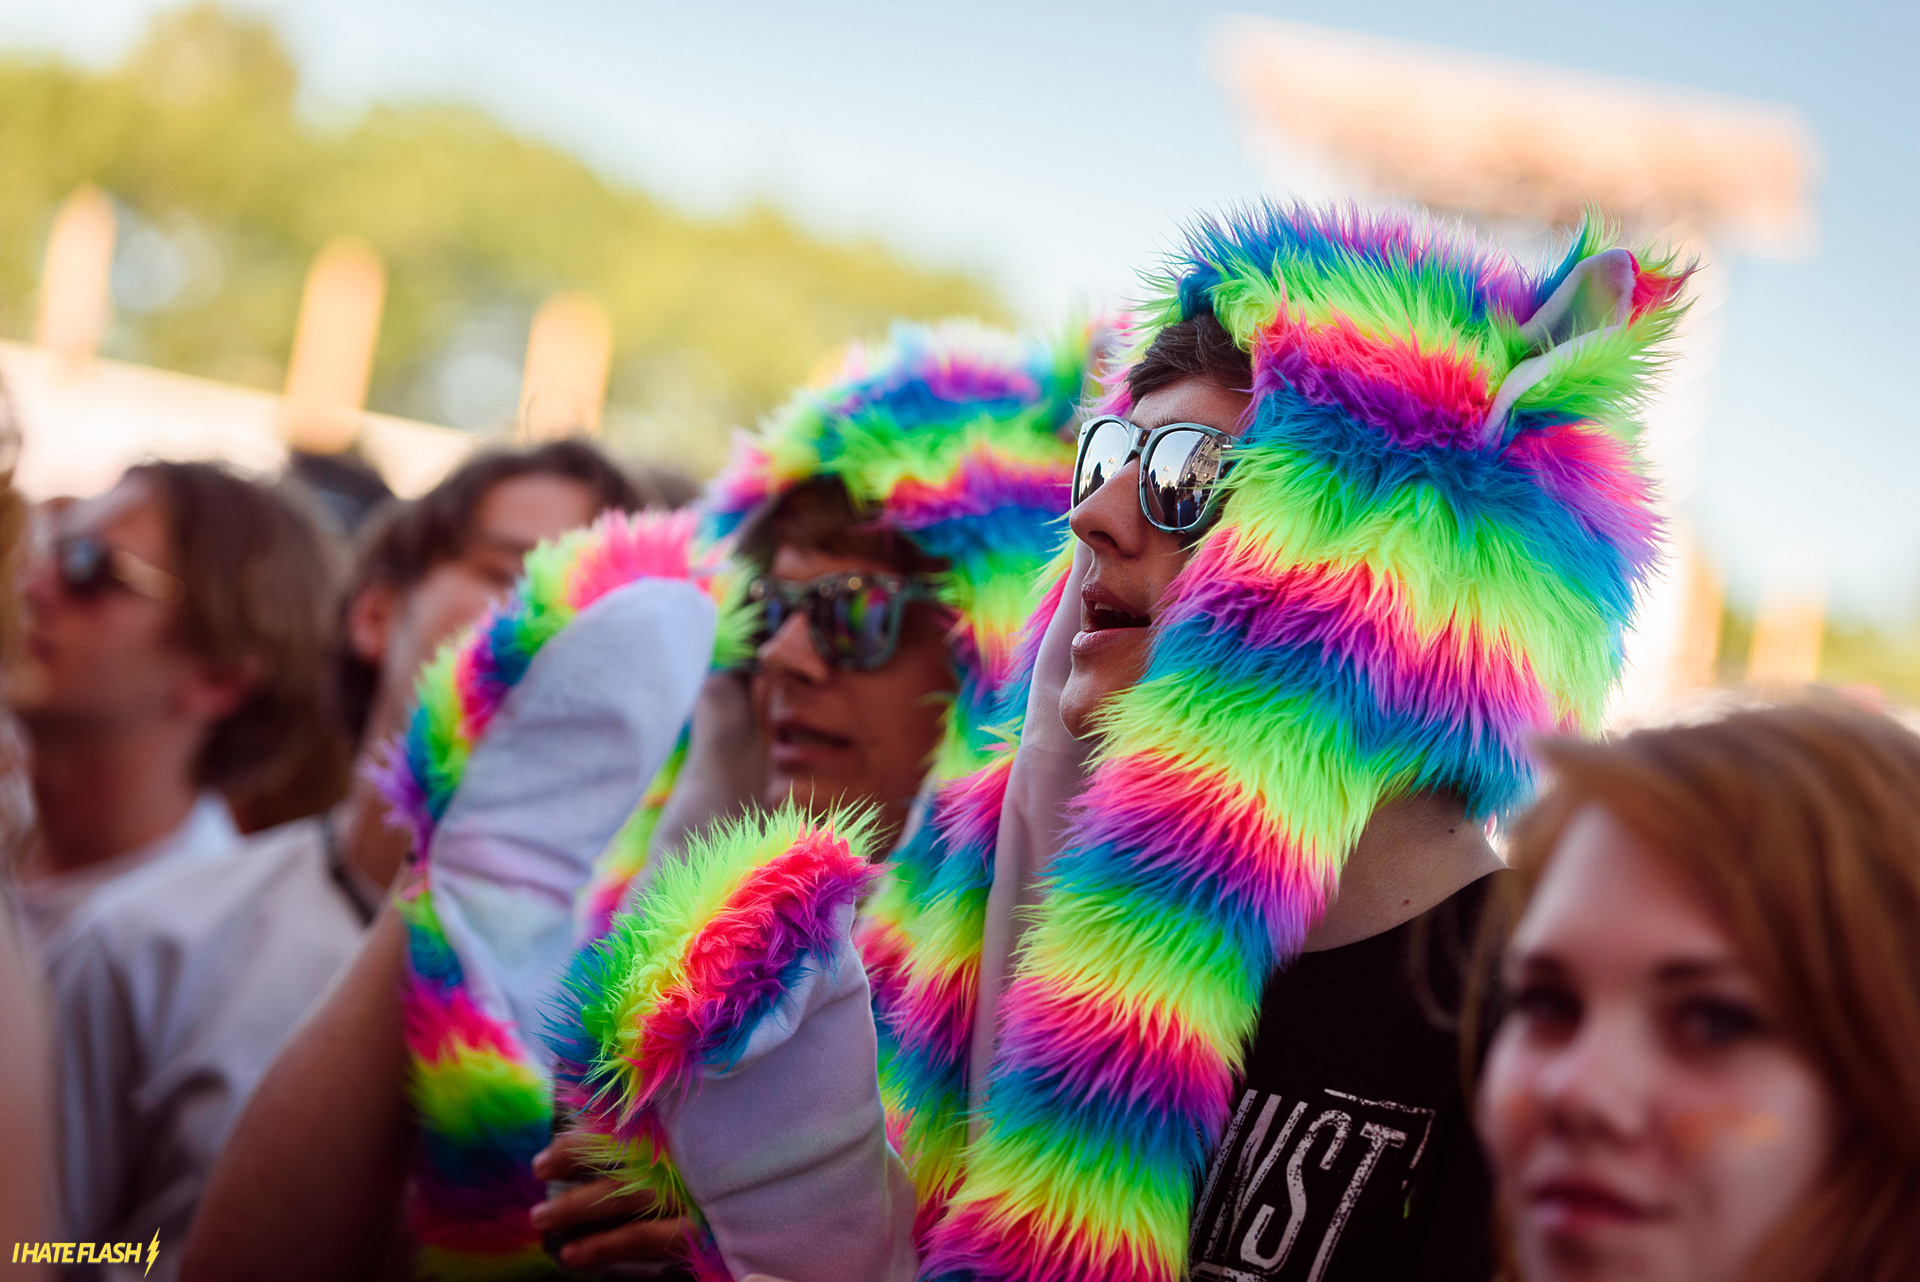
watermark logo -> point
(89, 1253)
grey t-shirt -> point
(48, 905)
(172, 990)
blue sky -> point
(1057, 146)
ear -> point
(1597, 295)
(216, 691)
(370, 619)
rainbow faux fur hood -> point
(959, 437)
(1434, 532)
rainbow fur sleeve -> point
(481, 1104)
(921, 942)
(482, 1112)
(678, 985)
(920, 939)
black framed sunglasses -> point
(1181, 465)
(88, 566)
(853, 617)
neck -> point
(372, 845)
(375, 848)
(1414, 853)
(100, 792)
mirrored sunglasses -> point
(853, 617)
(1181, 466)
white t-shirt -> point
(172, 991)
(46, 904)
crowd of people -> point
(1053, 807)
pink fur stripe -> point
(777, 913)
(1100, 1047)
(990, 1245)
(1363, 616)
(1416, 397)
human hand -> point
(593, 1223)
(1053, 664)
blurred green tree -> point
(225, 192)
(1878, 655)
(1885, 658)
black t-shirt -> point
(1349, 1155)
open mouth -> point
(1101, 612)
(1101, 617)
(793, 734)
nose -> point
(1601, 1083)
(790, 653)
(1109, 520)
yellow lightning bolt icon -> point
(153, 1251)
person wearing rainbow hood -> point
(839, 611)
(1362, 517)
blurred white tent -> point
(84, 422)
(84, 419)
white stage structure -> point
(1524, 149)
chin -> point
(1600, 1253)
(1081, 698)
(812, 794)
(1116, 662)
(782, 789)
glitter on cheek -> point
(1698, 1130)
(1758, 1129)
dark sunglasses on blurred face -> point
(1181, 466)
(89, 566)
(853, 617)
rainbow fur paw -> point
(678, 986)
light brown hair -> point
(258, 577)
(1799, 826)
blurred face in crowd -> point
(1133, 562)
(101, 648)
(832, 735)
(1644, 1115)
(398, 631)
